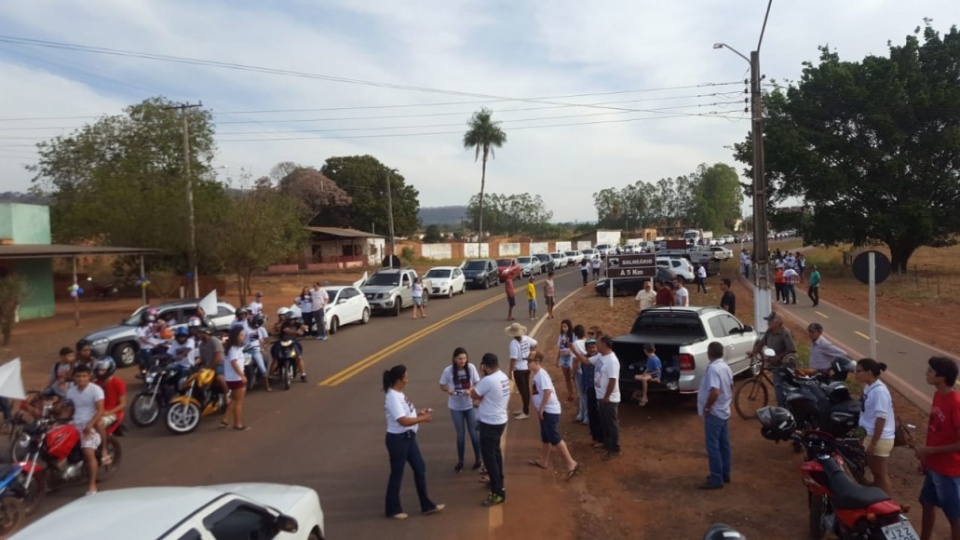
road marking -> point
(864, 336)
(821, 314)
(358, 367)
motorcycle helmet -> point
(283, 312)
(147, 318)
(83, 344)
(778, 424)
(295, 313)
(722, 531)
(240, 312)
(104, 368)
(841, 367)
(182, 331)
(838, 393)
(257, 321)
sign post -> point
(635, 265)
(872, 267)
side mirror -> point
(747, 328)
(287, 524)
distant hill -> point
(22, 198)
(442, 215)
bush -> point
(408, 255)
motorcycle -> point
(286, 352)
(201, 397)
(163, 383)
(838, 504)
(250, 370)
(12, 509)
(820, 404)
(55, 458)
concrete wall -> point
(608, 237)
(25, 223)
(470, 251)
(509, 249)
(38, 301)
(436, 251)
(562, 246)
(539, 247)
(584, 244)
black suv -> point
(481, 273)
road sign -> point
(634, 265)
(861, 267)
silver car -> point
(529, 266)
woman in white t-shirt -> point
(416, 292)
(547, 406)
(236, 379)
(456, 381)
(877, 419)
(402, 425)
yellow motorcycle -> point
(201, 397)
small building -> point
(601, 236)
(338, 248)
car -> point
(680, 266)
(603, 249)
(346, 304)
(729, 239)
(559, 259)
(546, 262)
(630, 285)
(530, 265)
(248, 510)
(590, 253)
(721, 253)
(573, 256)
(446, 281)
(120, 341)
(482, 273)
(508, 269)
(391, 289)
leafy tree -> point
(431, 235)
(120, 182)
(364, 179)
(510, 214)
(872, 147)
(716, 197)
(13, 291)
(483, 136)
(312, 188)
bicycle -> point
(753, 394)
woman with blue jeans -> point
(565, 357)
(456, 381)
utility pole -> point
(393, 240)
(761, 298)
(192, 256)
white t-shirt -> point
(145, 337)
(682, 296)
(595, 263)
(234, 356)
(318, 297)
(647, 299)
(306, 304)
(461, 384)
(256, 307)
(541, 383)
(581, 346)
(606, 367)
(396, 405)
(701, 272)
(253, 337)
(520, 351)
(188, 345)
(417, 290)
(791, 276)
(495, 391)
(878, 404)
(84, 403)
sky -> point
(591, 95)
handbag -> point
(902, 435)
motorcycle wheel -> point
(818, 511)
(20, 447)
(251, 380)
(751, 395)
(145, 409)
(287, 376)
(183, 418)
(12, 515)
(35, 493)
(112, 449)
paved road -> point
(328, 434)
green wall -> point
(39, 301)
(25, 223)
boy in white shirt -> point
(547, 405)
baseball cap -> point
(590, 341)
(773, 317)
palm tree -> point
(484, 135)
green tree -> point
(310, 187)
(119, 181)
(431, 235)
(365, 179)
(483, 136)
(872, 148)
(13, 291)
(510, 214)
(717, 196)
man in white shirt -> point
(492, 397)
(318, 296)
(606, 383)
(745, 263)
(256, 307)
(647, 297)
(521, 346)
(791, 279)
(713, 404)
(681, 296)
(87, 402)
(702, 278)
(822, 351)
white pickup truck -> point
(391, 290)
(681, 335)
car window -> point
(222, 311)
(730, 324)
(348, 293)
(457, 272)
(716, 328)
(406, 280)
(242, 521)
(475, 265)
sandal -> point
(241, 428)
(224, 424)
(536, 463)
(572, 472)
(643, 401)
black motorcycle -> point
(162, 385)
(823, 402)
(286, 352)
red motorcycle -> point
(838, 504)
(54, 458)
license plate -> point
(900, 531)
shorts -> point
(511, 301)
(218, 369)
(89, 440)
(235, 385)
(942, 491)
(883, 448)
(532, 305)
(566, 361)
(550, 429)
(418, 300)
(549, 300)
(108, 420)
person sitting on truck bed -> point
(651, 373)
(778, 338)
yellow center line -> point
(358, 367)
(821, 314)
(864, 336)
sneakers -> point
(459, 467)
(611, 455)
(401, 516)
(303, 378)
(492, 500)
(435, 510)
(521, 416)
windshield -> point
(524, 260)
(572, 253)
(504, 262)
(556, 255)
(543, 257)
(475, 265)
(438, 273)
(384, 279)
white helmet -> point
(295, 312)
(282, 312)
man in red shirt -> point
(114, 393)
(664, 294)
(940, 458)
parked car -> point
(481, 273)
(120, 341)
(590, 253)
(446, 281)
(529, 266)
(508, 269)
(603, 249)
(721, 253)
(630, 285)
(250, 510)
(729, 239)
(574, 256)
(391, 289)
(345, 305)
(681, 335)
(559, 259)
(680, 266)
(546, 262)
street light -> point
(722, 45)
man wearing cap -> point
(256, 307)
(813, 290)
(781, 341)
(521, 346)
(822, 352)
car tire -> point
(334, 324)
(397, 307)
(125, 354)
(365, 318)
(450, 294)
(486, 283)
(463, 288)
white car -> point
(590, 254)
(198, 513)
(573, 257)
(559, 259)
(680, 266)
(729, 239)
(446, 281)
(345, 305)
(721, 253)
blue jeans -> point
(403, 449)
(717, 436)
(466, 418)
(582, 412)
(942, 491)
(257, 355)
(319, 317)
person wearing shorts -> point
(940, 456)
(511, 298)
(236, 379)
(548, 410)
(532, 299)
(877, 419)
(565, 356)
(549, 294)
(87, 400)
